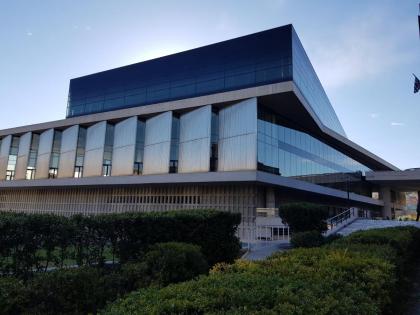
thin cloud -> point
(29, 33)
(373, 115)
(397, 124)
(361, 48)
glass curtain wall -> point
(248, 61)
(13, 154)
(174, 153)
(214, 140)
(292, 153)
(33, 155)
(109, 143)
(138, 157)
(80, 153)
(55, 155)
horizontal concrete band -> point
(192, 178)
(184, 104)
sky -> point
(363, 51)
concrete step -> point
(364, 224)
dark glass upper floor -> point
(271, 56)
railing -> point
(341, 219)
(254, 233)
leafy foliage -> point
(32, 243)
(87, 289)
(307, 239)
(353, 275)
(301, 216)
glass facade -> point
(13, 154)
(33, 155)
(55, 155)
(139, 153)
(214, 142)
(174, 151)
(307, 80)
(80, 152)
(292, 153)
(108, 147)
(247, 61)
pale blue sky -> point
(363, 51)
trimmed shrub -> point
(12, 299)
(307, 239)
(34, 242)
(340, 278)
(87, 289)
(174, 262)
(301, 216)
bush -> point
(344, 277)
(174, 262)
(307, 239)
(34, 242)
(303, 217)
(12, 299)
(87, 289)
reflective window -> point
(80, 152)
(174, 152)
(139, 154)
(214, 141)
(307, 80)
(108, 148)
(252, 60)
(33, 155)
(304, 157)
(55, 155)
(12, 160)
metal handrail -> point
(340, 218)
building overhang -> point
(284, 98)
(408, 180)
(207, 178)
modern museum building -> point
(235, 126)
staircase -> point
(365, 224)
(340, 221)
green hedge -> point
(307, 239)
(87, 289)
(302, 216)
(354, 275)
(34, 242)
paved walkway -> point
(263, 250)
(362, 224)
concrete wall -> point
(4, 155)
(194, 141)
(44, 154)
(157, 144)
(23, 155)
(94, 154)
(124, 147)
(68, 152)
(238, 136)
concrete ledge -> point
(193, 178)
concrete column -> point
(68, 152)
(94, 154)
(4, 155)
(385, 195)
(44, 154)
(157, 144)
(23, 155)
(270, 198)
(238, 136)
(194, 141)
(124, 147)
